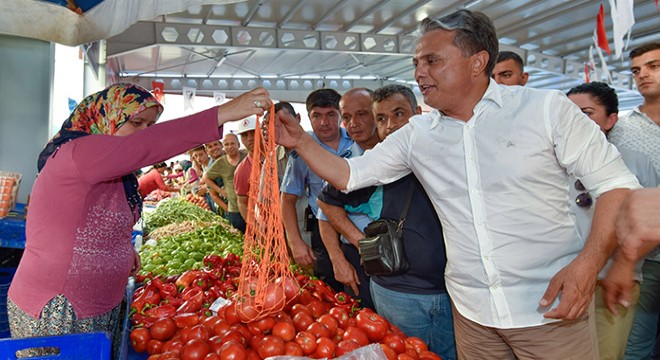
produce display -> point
(175, 254)
(172, 319)
(198, 200)
(175, 211)
(188, 226)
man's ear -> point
(479, 63)
(418, 110)
(525, 77)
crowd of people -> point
(528, 234)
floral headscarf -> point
(104, 113)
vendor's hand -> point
(137, 264)
(577, 284)
(302, 253)
(254, 102)
(618, 284)
(638, 224)
(345, 273)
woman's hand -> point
(254, 102)
(137, 264)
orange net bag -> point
(266, 283)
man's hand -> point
(618, 283)
(302, 253)
(638, 224)
(345, 273)
(288, 131)
(577, 284)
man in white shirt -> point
(640, 131)
(495, 162)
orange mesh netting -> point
(266, 281)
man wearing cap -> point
(242, 174)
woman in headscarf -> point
(78, 254)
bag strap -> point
(406, 206)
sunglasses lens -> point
(583, 200)
(579, 186)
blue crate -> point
(6, 274)
(91, 346)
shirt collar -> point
(493, 94)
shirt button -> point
(486, 257)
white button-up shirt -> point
(499, 183)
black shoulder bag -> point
(381, 251)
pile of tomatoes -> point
(316, 323)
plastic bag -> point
(369, 352)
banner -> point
(158, 89)
(188, 98)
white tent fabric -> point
(51, 22)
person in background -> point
(639, 130)
(214, 149)
(224, 168)
(323, 111)
(494, 161)
(417, 300)
(77, 260)
(600, 103)
(153, 180)
(358, 120)
(510, 69)
(242, 173)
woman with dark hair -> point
(78, 253)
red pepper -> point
(323, 292)
(186, 278)
(149, 296)
(201, 282)
(213, 261)
(342, 298)
(141, 320)
(161, 311)
(168, 290)
(176, 302)
(231, 260)
(192, 304)
(187, 319)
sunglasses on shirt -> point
(583, 200)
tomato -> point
(274, 297)
(396, 342)
(243, 330)
(262, 326)
(270, 346)
(251, 354)
(329, 321)
(172, 345)
(319, 330)
(325, 348)
(300, 308)
(284, 317)
(284, 331)
(429, 355)
(355, 333)
(346, 346)
(246, 310)
(305, 297)
(290, 286)
(417, 344)
(389, 353)
(407, 356)
(195, 349)
(231, 317)
(235, 335)
(221, 328)
(139, 339)
(210, 322)
(374, 325)
(341, 315)
(318, 308)
(154, 357)
(291, 348)
(198, 332)
(212, 356)
(232, 350)
(154, 347)
(306, 341)
(302, 321)
(162, 329)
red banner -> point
(600, 31)
(158, 89)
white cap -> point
(247, 124)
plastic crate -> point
(91, 346)
(9, 183)
(6, 274)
